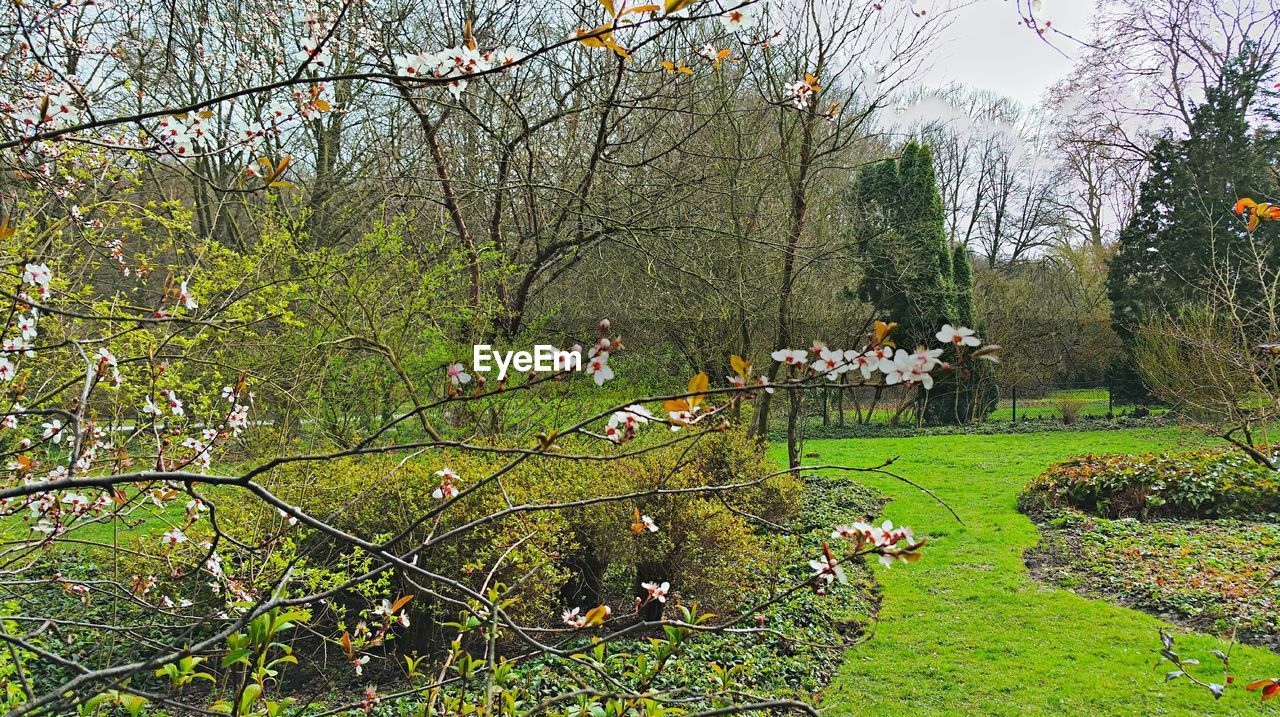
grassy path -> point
(967, 631)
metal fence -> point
(1064, 402)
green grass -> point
(968, 632)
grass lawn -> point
(967, 630)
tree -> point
(911, 274)
(903, 241)
(1183, 233)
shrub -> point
(1069, 408)
(1194, 484)
(706, 544)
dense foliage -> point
(912, 271)
(1193, 484)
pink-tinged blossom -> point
(799, 94)
(310, 51)
(359, 662)
(648, 524)
(958, 335)
(26, 323)
(738, 20)
(458, 374)
(44, 110)
(184, 296)
(15, 344)
(911, 368)
(831, 362)
(52, 431)
(448, 484)
(574, 618)
(656, 591)
(599, 368)
(828, 569)
(173, 537)
(863, 362)
(37, 275)
(790, 357)
(624, 424)
(7, 370)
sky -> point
(985, 47)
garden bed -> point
(1208, 483)
(1190, 536)
(1207, 575)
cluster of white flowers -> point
(42, 113)
(457, 63)
(598, 357)
(624, 424)
(898, 366)
(799, 94)
(181, 133)
(893, 543)
(656, 591)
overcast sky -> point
(987, 48)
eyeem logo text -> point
(543, 358)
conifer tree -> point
(1184, 233)
(911, 274)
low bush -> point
(706, 545)
(1069, 408)
(1207, 483)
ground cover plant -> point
(1211, 575)
(1213, 482)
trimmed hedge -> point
(1211, 483)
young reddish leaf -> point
(637, 525)
(597, 615)
(676, 404)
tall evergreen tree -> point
(911, 274)
(1184, 234)
(903, 239)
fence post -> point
(1110, 402)
(1015, 404)
(826, 399)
